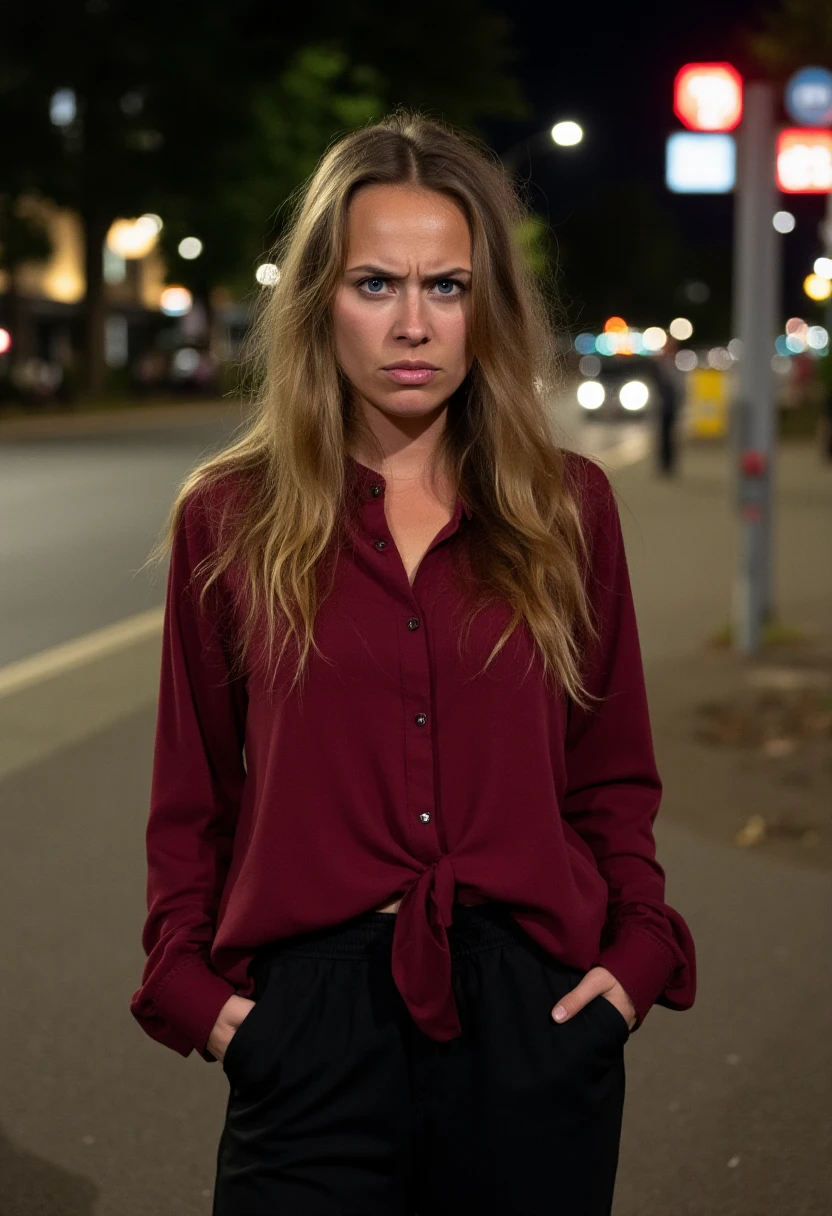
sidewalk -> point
(742, 742)
(127, 417)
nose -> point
(411, 322)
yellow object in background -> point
(707, 403)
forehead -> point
(386, 221)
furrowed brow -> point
(381, 273)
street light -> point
(564, 134)
(567, 134)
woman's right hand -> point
(235, 1010)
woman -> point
(404, 785)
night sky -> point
(611, 68)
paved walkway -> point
(728, 1110)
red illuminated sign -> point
(708, 96)
(804, 160)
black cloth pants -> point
(340, 1106)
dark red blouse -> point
(398, 770)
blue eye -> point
(375, 286)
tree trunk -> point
(95, 225)
(20, 324)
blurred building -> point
(155, 336)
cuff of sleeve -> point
(642, 966)
(190, 1003)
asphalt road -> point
(81, 515)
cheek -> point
(356, 333)
(454, 333)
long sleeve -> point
(613, 786)
(197, 782)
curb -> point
(133, 418)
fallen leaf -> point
(752, 833)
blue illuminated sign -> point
(809, 97)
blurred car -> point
(625, 387)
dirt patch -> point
(745, 750)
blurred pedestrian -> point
(670, 396)
(824, 365)
(412, 864)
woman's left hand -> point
(597, 982)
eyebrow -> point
(386, 274)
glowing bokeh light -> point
(615, 325)
(175, 301)
(817, 287)
(654, 338)
(823, 267)
(585, 344)
(607, 344)
(817, 337)
(134, 238)
(685, 360)
(62, 108)
(190, 248)
(186, 361)
(591, 394)
(783, 221)
(719, 358)
(5, 341)
(567, 134)
(634, 395)
(267, 274)
(681, 329)
(589, 365)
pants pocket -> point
(606, 1016)
(246, 1041)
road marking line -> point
(57, 660)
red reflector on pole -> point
(753, 464)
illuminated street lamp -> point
(564, 134)
(567, 134)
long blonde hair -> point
(524, 540)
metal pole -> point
(756, 266)
(826, 236)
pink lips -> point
(410, 375)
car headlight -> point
(634, 395)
